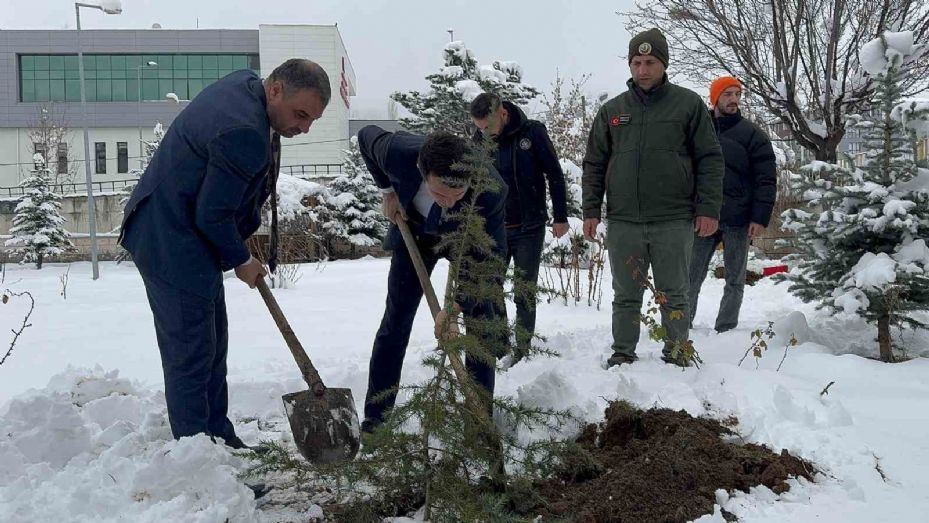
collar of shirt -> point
(423, 200)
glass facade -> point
(114, 77)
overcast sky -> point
(393, 44)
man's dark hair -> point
(299, 73)
(439, 153)
(484, 105)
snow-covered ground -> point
(83, 434)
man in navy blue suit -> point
(188, 218)
(419, 184)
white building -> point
(128, 74)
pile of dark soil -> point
(659, 466)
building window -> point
(100, 150)
(62, 158)
(122, 157)
(115, 78)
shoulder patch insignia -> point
(525, 144)
(622, 119)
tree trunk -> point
(38, 262)
(828, 149)
(883, 339)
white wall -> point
(16, 148)
(323, 45)
(9, 154)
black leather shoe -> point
(620, 359)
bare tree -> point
(798, 57)
(50, 136)
(5, 298)
(568, 116)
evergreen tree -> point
(862, 243)
(148, 149)
(572, 175)
(444, 107)
(354, 202)
(150, 146)
(148, 152)
(37, 229)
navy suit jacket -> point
(391, 159)
(200, 197)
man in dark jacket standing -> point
(188, 218)
(653, 152)
(526, 159)
(748, 198)
(419, 184)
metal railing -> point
(65, 189)
(313, 170)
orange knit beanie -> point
(721, 84)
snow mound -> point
(291, 191)
(792, 326)
(91, 446)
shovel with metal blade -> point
(323, 420)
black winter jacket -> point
(750, 185)
(527, 152)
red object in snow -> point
(768, 271)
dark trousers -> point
(735, 258)
(193, 338)
(666, 248)
(404, 293)
(524, 249)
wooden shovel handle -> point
(421, 271)
(307, 370)
(457, 365)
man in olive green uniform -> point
(653, 153)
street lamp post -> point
(138, 72)
(110, 7)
